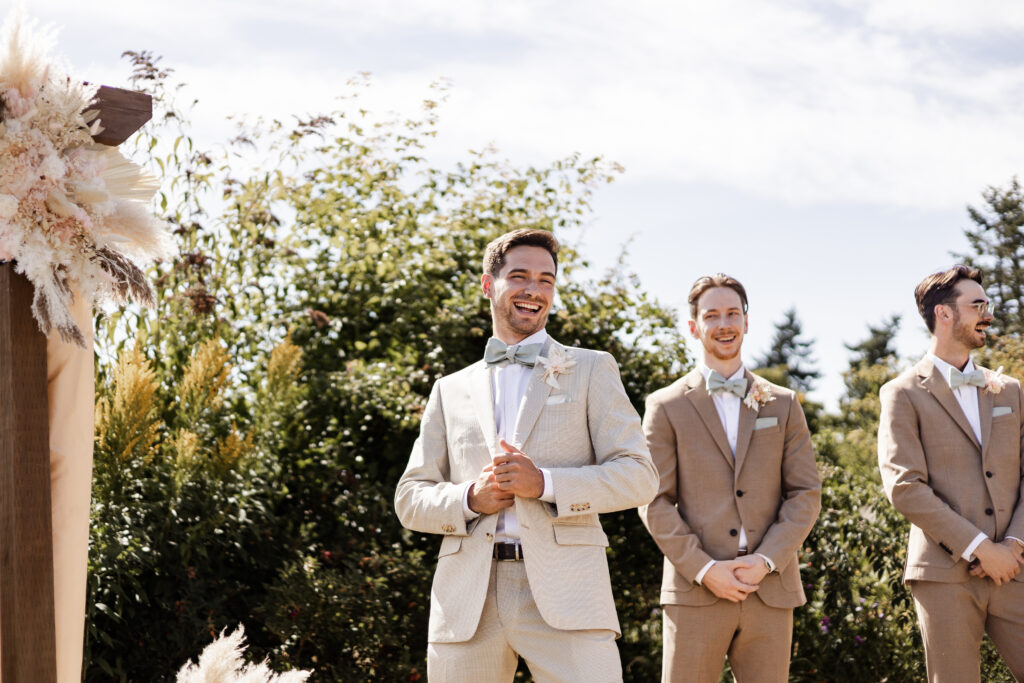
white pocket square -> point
(555, 399)
(765, 423)
(1001, 410)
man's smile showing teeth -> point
(527, 306)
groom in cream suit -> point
(739, 493)
(949, 450)
(517, 455)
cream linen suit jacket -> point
(936, 474)
(585, 432)
(771, 488)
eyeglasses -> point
(982, 307)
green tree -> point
(878, 346)
(791, 354)
(997, 243)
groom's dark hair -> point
(494, 254)
(707, 282)
(940, 288)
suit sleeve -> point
(1016, 527)
(426, 500)
(904, 470)
(670, 531)
(801, 492)
(623, 475)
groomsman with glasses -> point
(949, 450)
(739, 493)
(517, 455)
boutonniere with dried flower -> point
(995, 381)
(760, 393)
(557, 362)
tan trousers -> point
(955, 616)
(510, 627)
(757, 639)
(71, 393)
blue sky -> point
(821, 152)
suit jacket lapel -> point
(480, 380)
(746, 426)
(700, 398)
(936, 385)
(985, 401)
(537, 391)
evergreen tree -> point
(791, 353)
(997, 241)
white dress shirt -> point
(728, 406)
(967, 397)
(509, 390)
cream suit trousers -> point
(511, 626)
(71, 393)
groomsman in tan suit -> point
(949, 449)
(517, 455)
(739, 493)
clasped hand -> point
(734, 580)
(998, 561)
(510, 474)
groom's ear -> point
(486, 282)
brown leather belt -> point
(508, 552)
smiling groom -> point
(739, 493)
(517, 455)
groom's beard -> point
(506, 312)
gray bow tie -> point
(524, 354)
(974, 378)
(718, 383)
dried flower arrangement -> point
(74, 215)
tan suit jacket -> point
(939, 477)
(771, 488)
(586, 433)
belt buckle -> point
(517, 553)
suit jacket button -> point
(739, 494)
(988, 511)
(733, 532)
(988, 474)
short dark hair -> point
(707, 282)
(938, 288)
(494, 254)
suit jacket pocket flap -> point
(765, 422)
(449, 545)
(999, 411)
(579, 535)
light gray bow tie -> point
(524, 354)
(718, 383)
(974, 378)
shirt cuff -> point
(1014, 538)
(467, 513)
(969, 550)
(768, 562)
(700, 575)
(548, 496)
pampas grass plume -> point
(221, 662)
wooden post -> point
(27, 641)
(26, 546)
